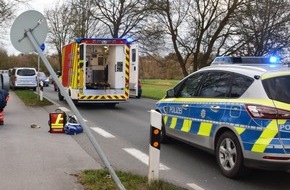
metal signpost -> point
(39, 88)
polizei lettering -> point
(175, 110)
(285, 127)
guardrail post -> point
(154, 147)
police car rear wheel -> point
(229, 155)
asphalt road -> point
(123, 134)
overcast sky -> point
(39, 5)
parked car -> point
(23, 77)
(42, 77)
(239, 113)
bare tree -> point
(120, 18)
(84, 25)
(264, 26)
(60, 23)
(6, 11)
(197, 30)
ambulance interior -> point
(104, 69)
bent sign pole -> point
(154, 147)
(76, 112)
(31, 36)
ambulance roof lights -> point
(78, 40)
(102, 40)
(129, 40)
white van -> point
(23, 77)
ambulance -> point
(100, 70)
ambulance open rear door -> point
(134, 70)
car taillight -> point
(258, 111)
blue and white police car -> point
(240, 113)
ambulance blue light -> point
(78, 40)
(129, 40)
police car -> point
(240, 113)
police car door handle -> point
(185, 106)
(214, 108)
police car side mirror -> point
(170, 93)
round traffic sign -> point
(32, 21)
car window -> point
(25, 72)
(278, 88)
(215, 85)
(189, 87)
(240, 84)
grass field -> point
(156, 88)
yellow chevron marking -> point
(98, 97)
(165, 119)
(240, 130)
(271, 75)
(173, 122)
(204, 129)
(266, 137)
(186, 125)
(282, 121)
(127, 70)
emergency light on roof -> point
(246, 60)
(103, 41)
(274, 59)
(129, 40)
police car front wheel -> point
(229, 155)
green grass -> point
(156, 88)
(30, 98)
(101, 180)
